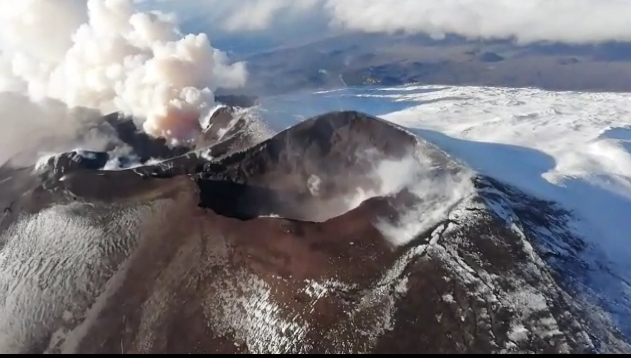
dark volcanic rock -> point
(176, 257)
(219, 123)
(242, 101)
(568, 61)
(227, 132)
(61, 164)
(143, 146)
(491, 57)
(230, 129)
(228, 126)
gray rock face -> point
(339, 235)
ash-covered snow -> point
(249, 312)
(53, 261)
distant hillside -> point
(352, 60)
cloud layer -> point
(569, 21)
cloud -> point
(107, 55)
(526, 21)
(238, 15)
(259, 15)
(251, 24)
(570, 21)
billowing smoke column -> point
(103, 54)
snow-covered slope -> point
(567, 147)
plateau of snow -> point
(568, 147)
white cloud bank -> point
(106, 55)
(569, 21)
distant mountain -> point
(360, 59)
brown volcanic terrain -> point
(188, 256)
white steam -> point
(437, 191)
(437, 184)
(104, 55)
(32, 129)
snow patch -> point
(66, 252)
(246, 309)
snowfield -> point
(568, 147)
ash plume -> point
(106, 55)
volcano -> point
(342, 234)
